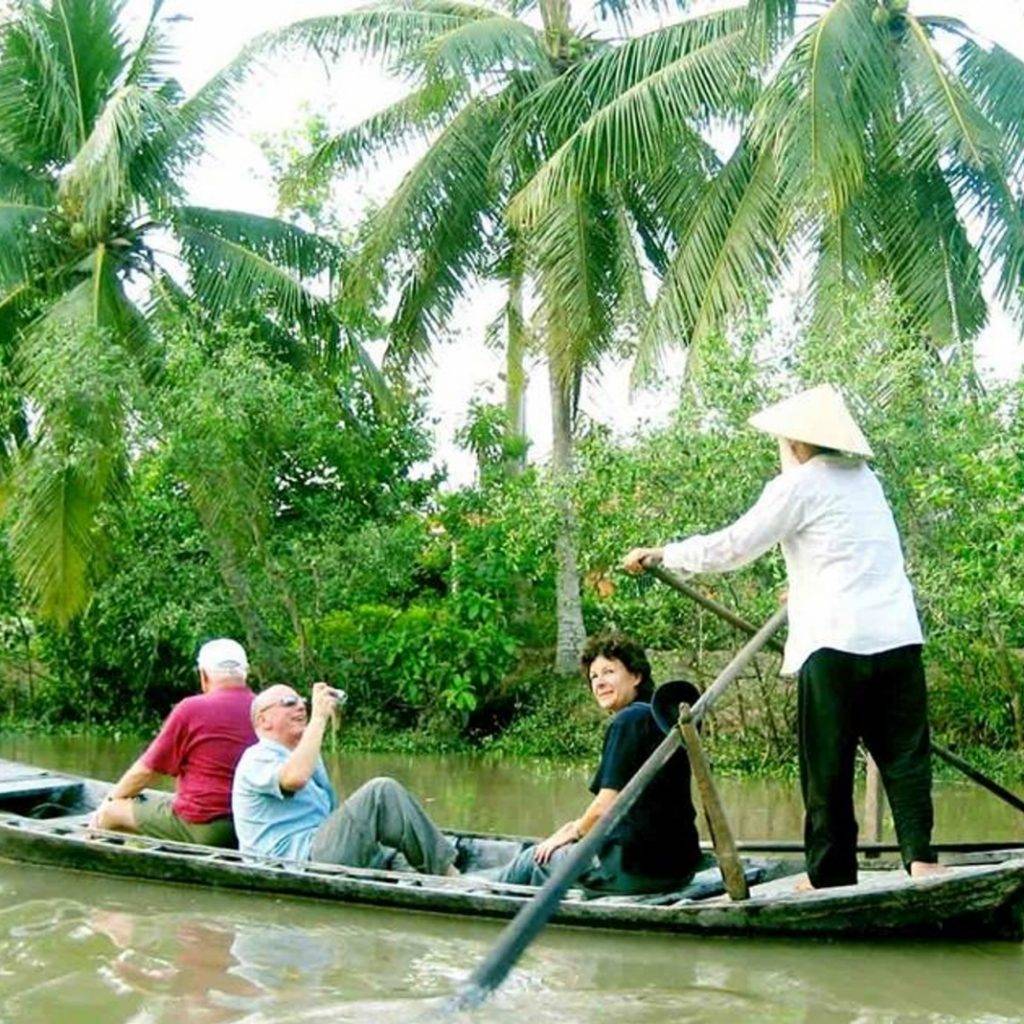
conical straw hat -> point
(818, 416)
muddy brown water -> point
(82, 948)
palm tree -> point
(476, 76)
(879, 137)
(95, 139)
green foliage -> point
(276, 505)
(254, 488)
(96, 138)
(429, 659)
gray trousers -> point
(378, 822)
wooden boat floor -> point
(882, 880)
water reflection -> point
(117, 951)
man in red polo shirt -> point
(199, 745)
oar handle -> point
(525, 926)
(676, 582)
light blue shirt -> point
(269, 821)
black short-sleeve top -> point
(659, 834)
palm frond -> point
(840, 271)
(475, 49)
(625, 111)
(631, 306)
(40, 119)
(239, 260)
(52, 536)
(19, 183)
(207, 111)
(392, 29)
(58, 62)
(19, 222)
(150, 63)
(93, 49)
(769, 24)
(731, 246)
(994, 77)
(836, 81)
(76, 461)
(440, 218)
(987, 194)
(946, 121)
(663, 204)
(98, 185)
(573, 255)
(927, 256)
(624, 12)
(388, 131)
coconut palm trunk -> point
(569, 606)
(515, 374)
(571, 632)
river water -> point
(83, 948)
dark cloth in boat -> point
(882, 700)
(154, 816)
(604, 876)
(658, 837)
(200, 745)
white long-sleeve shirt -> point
(847, 586)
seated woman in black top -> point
(655, 848)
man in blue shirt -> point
(284, 805)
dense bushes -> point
(334, 559)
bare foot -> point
(925, 869)
(804, 885)
(453, 871)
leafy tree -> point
(879, 136)
(261, 497)
(96, 137)
(476, 76)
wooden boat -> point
(43, 820)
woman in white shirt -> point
(854, 637)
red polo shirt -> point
(200, 745)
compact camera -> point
(339, 695)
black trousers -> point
(880, 699)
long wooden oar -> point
(526, 925)
(727, 615)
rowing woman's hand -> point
(640, 559)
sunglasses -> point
(289, 701)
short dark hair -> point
(624, 649)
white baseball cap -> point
(222, 654)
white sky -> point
(235, 175)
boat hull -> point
(984, 902)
